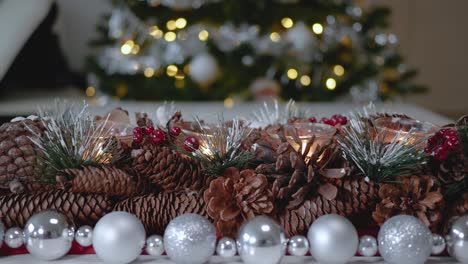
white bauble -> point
(204, 69)
(301, 38)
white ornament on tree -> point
(302, 40)
(204, 69)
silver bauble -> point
(118, 237)
(404, 239)
(226, 247)
(298, 246)
(155, 245)
(333, 239)
(2, 232)
(204, 69)
(438, 244)
(261, 241)
(367, 246)
(48, 235)
(84, 236)
(457, 239)
(14, 237)
(190, 239)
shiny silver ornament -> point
(14, 237)
(155, 245)
(367, 246)
(84, 236)
(438, 244)
(298, 246)
(404, 239)
(333, 239)
(261, 241)
(2, 232)
(118, 237)
(457, 240)
(190, 239)
(226, 247)
(48, 235)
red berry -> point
(175, 131)
(191, 143)
(313, 120)
(452, 143)
(340, 119)
(451, 134)
(439, 153)
(432, 141)
(149, 130)
(327, 121)
(137, 138)
(428, 150)
(137, 131)
(158, 136)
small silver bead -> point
(84, 236)
(155, 245)
(14, 237)
(367, 246)
(438, 244)
(298, 246)
(226, 247)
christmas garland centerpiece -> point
(284, 164)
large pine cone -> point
(157, 210)
(18, 154)
(353, 196)
(415, 195)
(168, 169)
(81, 209)
(237, 196)
(106, 180)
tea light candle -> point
(415, 131)
(300, 135)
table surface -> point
(83, 259)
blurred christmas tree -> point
(216, 49)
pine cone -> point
(156, 211)
(453, 170)
(106, 180)
(18, 154)
(237, 196)
(80, 209)
(353, 197)
(415, 195)
(168, 169)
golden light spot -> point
(338, 70)
(287, 22)
(179, 76)
(127, 47)
(156, 32)
(179, 84)
(171, 70)
(148, 72)
(305, 80)
(317, 28)
(292, 74)
(171, 25)
(170, 36)
(331, 84)
(187, 69)
(181, 23)
(90, 91)
(275, 37)
(136, 49)
(228, 102)
(121, 90)
(203, 35)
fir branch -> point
(267, 115)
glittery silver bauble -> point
(84, 236)
(438, 244)
(155, 245)
(226, 247)
(298, 245)
(190, 239)
(48, 235)
(261, 241)
(118, 237)
(2, 232)
(14, 237)
(404, 239)
(333, 239)
(204, 69)
(457, 239)
(367, 246)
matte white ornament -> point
(204, 69)
(333, 239)
(298, 246)
(155, 245)
(190, 239)
(261, 241)
(48, 235)
(367, 246)
(457, 240)
(14, 237)
(84, 236)
(226, 247)
(404, 239)
(118, 237)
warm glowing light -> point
(156, 32)
(203, 35)
(287, 22)
(90, 91)
(317, 28)
(179, 84)
(338, 70)
(187, 69)
(179, 76)
(228, 102)
(171, 25)
(136, 49)
(292, 74)
(275, 37)
(171, 70)
(148, 72)
(331, 84)
(121, 90)
(170, 36)
(127, 47)
(305, 80)
(181, 23)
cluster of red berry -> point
(158, 136)
(442, 143)
(335, 120)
